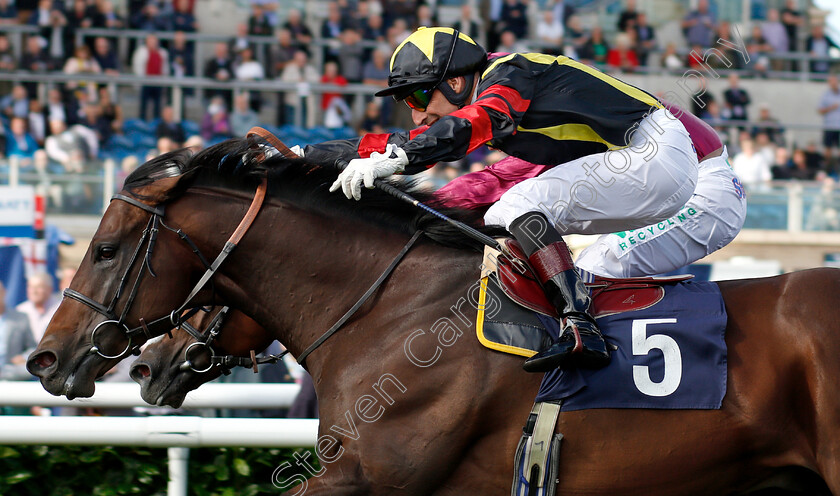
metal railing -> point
(796, 135)
(261, 44)
(178, 84)
(160, 432)
(176, 433)
(72, 193)
(793, 206)
(124, 37)
(780, 205)
(127, 395)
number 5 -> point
(642, 344)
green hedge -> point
(112, 471)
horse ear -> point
(159, 191)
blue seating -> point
(118, 141)
(141, 140)
(191, 128)
(138, 125)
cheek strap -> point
(458, 99)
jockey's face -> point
(438, 106)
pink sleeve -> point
(478, 190)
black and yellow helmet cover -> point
(423, 59)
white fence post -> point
(795, 208)
(108, 182)
(14, 171)
(178, 471)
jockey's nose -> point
(418, 117)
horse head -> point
(101, 319)
(151, 256)
(167, 369)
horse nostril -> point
(40, 362)
(140, 372)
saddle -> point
(512, 330)
(609, 296)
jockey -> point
(589, 154)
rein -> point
(164, 324)
(226, 362)
(332, 330)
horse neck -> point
(297, 272)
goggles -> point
(419, 99)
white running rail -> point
(127, 395)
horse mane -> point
(237, 164)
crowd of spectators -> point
(761, 152)
(62, 129)
(23, 325)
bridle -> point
(176, 317)
(204, 341)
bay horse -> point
(160, 370)
(410, 411)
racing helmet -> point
(428, 57)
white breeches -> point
(655, 180)
(711, 218)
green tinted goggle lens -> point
(420, 99)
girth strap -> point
(547, 413)
(332, 330)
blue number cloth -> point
(658, 363)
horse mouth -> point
(169, 394)
(74, 387)
(174, 400)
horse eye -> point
(107, 253)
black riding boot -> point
(581, 343)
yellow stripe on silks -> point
(541, 58)
(479, 328)
(615, 83)
(497, 62)
(576, 132)
(424, 40)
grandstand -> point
(108, 91)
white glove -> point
(297, 150)
(367, 169)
